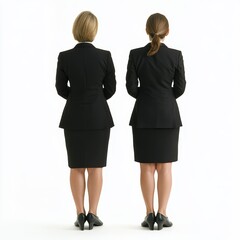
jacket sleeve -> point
(61, 79)
(132, 78)
(109, 82)
(179, 83)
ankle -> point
(93, 212)
(162, 212)
(150, 211)
(79, 211)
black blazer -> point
(162, 80)
(91, 76)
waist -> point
(155, 93)
(85, 95)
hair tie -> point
(157, 35)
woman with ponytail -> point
(156, 78)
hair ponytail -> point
(157, 28)
(155, 45)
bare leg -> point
(164, 185)
(77, 182)
(148, 184)
(94, 188)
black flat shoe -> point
(93, 220)
(149, 221)
(162, 221)
(81, 219)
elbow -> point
(133, 92)
(62, 95)
(179, 92)
(63, 92)
(59, 92)
(109, 93)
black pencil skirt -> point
(87, 148)
(155, 145)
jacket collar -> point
(84, 45)
(163, 45)
(149, 45)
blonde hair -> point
(157, 28)
(85, 27)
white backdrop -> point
(35, 197)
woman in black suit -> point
(86, 79)
(155, 120)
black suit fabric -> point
(86, 78)
(155, 81)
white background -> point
(35, 197)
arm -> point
(132, 78)
(61, 79)
(109, 81)
(179, 83)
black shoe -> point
(93, 220)
(162, 221)
(149, 221)
(81, 219)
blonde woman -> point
(86, 79)
(155, 77)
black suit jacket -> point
(162, 80)
(90, 74)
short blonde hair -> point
(85, 27)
